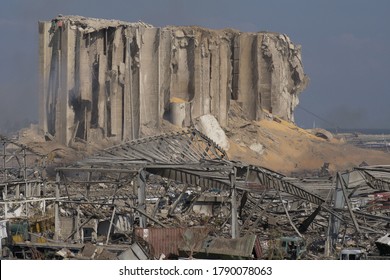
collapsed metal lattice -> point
(377, 177)
(190, 146)
(18, 161)
(116, 177)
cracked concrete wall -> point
(107, 78)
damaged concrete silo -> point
(107, 78)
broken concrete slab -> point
(209, 126)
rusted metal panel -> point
(169, 241)
(162, 240)
(258, 249)
(378, 202)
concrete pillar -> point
(278, 101)
(102, 92)
(165, 51)
(116, 92)
(45, 55)
(215, 75)
(65, 116)
(236, 67)
(134, 51)
(85, 86)
(183, 69)
(205, 78)
(224, 83)
(149, 74)
(128, 133)
(265, 76)
(247, 78)
(197, 102)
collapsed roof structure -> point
(184, 180)
(174, 194)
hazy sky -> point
(345, 48)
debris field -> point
(163, 143)
(178, 195)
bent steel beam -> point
(375, 183)
(270, 179)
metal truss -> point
(184, 147)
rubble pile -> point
(114, 176)
(167, 196)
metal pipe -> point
(57, 209)
(234, 202)
(109, 228)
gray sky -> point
(345, 48)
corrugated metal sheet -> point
(167, 241)
(162, 240)
(258, 250)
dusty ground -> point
(286, 148)
(272, 143)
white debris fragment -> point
(257, 147)
(208, 125)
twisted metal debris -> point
(185, 180)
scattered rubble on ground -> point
(169, 196)
(111, 174)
